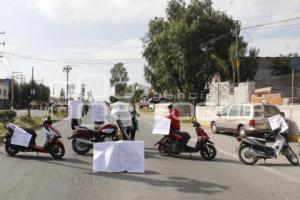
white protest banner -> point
(161, 125)
(120, 110)
(21, 137)
(161, 109)
(276, 122)
(121, 156)
(75, 109)
(98, 112)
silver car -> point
(244, 119)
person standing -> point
(134, 114)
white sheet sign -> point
(161, 125)
(119, 156)
(75, 109)
(123, 115)
(98, 112)
(276, 122)
(21, 137)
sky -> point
(95, 34)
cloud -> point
(277, 45)
(99, 11)
(258, 11)
(131, 48)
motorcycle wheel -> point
(246, 159)
(79, 147)
(11, 150)
(209, 152)
(163, 150)
(56, 150)
(291, 156)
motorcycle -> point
(251, 149)
(53, 145)
(83, 138)
(176, 143)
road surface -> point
(35, 177)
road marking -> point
(266, 168)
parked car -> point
(244, 119)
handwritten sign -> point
(75, 109)
(21, 137)
(161, 125)
(98, 112)
(278, 122)
(121, 156)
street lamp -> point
(67, 69)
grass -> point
(187, 120)
(29, 122)
(146, 110)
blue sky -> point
(110, 31)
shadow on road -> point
(195, 157)
(64, 162)
(181, 184)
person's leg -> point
(132, 134)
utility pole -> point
(67, 69)
(12, 88)
(2, 43)
(237, 51)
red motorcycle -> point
(83, 138)
(53, 145)
(176, 143)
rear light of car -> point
(252, 122)
(239, 139)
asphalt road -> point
(32, 176)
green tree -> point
(62, 93)
(119, 78)
(178, 49)
(282, 65)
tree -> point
(282, 65)
(135, 91)
(178, 49)
(119, 78)
(62, 93)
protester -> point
(174, 116)
(285, 134)
(134, 114)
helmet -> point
(170, 106)
(47, 121)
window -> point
(271, 110)
(235, 111)
(258, 111)
(4, 93)
(225, 111)
(246, 111)
(0, 91)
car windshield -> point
(271, 110)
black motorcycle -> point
(251, 149)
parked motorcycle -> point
(251, 149)
(83, 138)
(53, 145)
(176, 143)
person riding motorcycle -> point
(174, 116)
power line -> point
(78, 61)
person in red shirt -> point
(174, 116)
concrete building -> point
(4, 91)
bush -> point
(7, 115)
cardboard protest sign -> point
(121, 156)
(75, 109)
(98, 112)
(161, 125)
(278, 122)
(21, 137)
